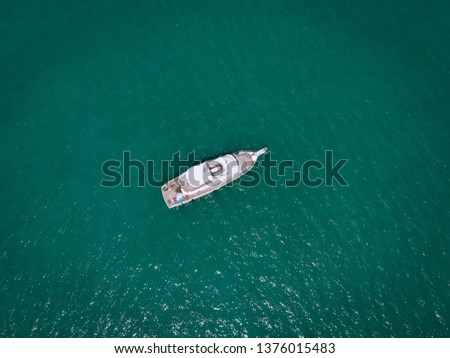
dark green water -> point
(82, 81)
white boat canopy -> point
(198, 175)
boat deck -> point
(170, 191)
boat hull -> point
(180, 190)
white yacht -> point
(208, 176)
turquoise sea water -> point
(82, 81)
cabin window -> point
(216, 169)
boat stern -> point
(171, 192)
